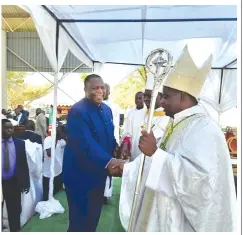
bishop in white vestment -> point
(187, 183)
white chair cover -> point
(29, 201)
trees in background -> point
(124, 93)
(19, 92)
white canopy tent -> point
(125, 35)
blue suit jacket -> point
(90, 146)
(23, 119)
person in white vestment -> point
(137, 121)
(132, 126)
(116, 121)
(115, 111)
(139, 102)
(187, 183)
(60, 145)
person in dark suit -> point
(15, 174)
(29, 133)
(25, 112)
(21, 118)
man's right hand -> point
(115, 167)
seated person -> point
(60, 144)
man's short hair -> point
(140, 92)
(5, 121)
(30, 125)
(20, 106)
(89, 78)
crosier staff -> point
(158, 62)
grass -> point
(109, 219)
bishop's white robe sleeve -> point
(158, 178)
(191, 172)
(128, 185)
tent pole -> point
(53, 132)
(221, 82)
(144, 20)
(227, 65)
(64, 28)
(109, 62)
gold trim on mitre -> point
(186, 76)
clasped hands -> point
(115, 167)
(147, 144)
(121, 155)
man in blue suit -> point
(88, 156)
(21, 118)
(24, 112)
(15, 174)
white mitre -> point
(186, 76)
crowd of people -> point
(187, 184)
(15, 170)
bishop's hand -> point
(147, 143)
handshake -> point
(115, 167)
(121, 155)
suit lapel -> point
(17, 150)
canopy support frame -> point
(14, 53)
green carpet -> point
(109, 219)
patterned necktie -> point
(6, 157)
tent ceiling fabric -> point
(97, 43)
(131, 42)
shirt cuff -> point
(158, 178)
(108, 163)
